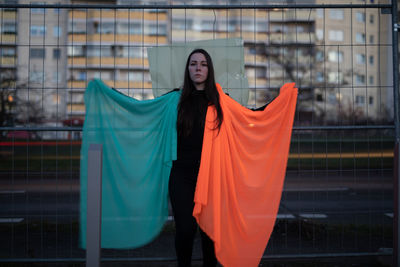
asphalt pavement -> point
(326, 218)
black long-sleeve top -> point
(189, 147)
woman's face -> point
(198, 70)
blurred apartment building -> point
(33, 56)
(112, 45)
(52, 53)
(353, 59)
(42, 61)
(8, 63)
(340, 59)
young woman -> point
(199, 91)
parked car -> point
(21, 135)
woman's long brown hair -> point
(185, 108)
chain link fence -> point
(339, 199)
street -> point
(320, 213)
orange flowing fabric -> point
(242, 170)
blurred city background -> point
(338, 201)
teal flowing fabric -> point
(139, 144)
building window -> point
(335, 77)
(360, 100)
(300, 29)
(371, 39)
(131, 52)
(360, 79)
(56, 53)
(138, 76)
(360, 16)
(99, 51)
(371, 60)
(319, 56)
(336, 35)
(371, 80)
(320, 34)
(256, 72)
(183, 24)
(7, 51)
(75, 51)
(57, 31)
(37, 53)
(81, 76)
(320, 77)
(261, 26)
(320, 13)
(156, 29)
(38, 10)
(77, 97)
(332, 98)
(37, 30)
(279, 28)
(360, 58)
(104, 27)
(371, 100)
(9, 28)
(371, 18)
(36, 76)
(129, 28)
(335, 56)
(360, 37)
(77, 27)
(208, 25)
(103, 75)
(336, 14)
(135, 76)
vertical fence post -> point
(93, 216)
(395, 49)
(396, 226)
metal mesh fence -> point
(338, 194)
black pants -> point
(182, 185)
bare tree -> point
(14, 108)
(319, 95)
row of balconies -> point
(278, 38)
(108, 62)
(270, 15)
(192, 35)
(119, 14)
(142, 63)
(81, 85)
(111, 83)
(278, 15)
(116, 38)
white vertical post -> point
(93, 216)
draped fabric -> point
(241, 176)
(139, 144)
(239, 183)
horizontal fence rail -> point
(204, 6)
(295, 128)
